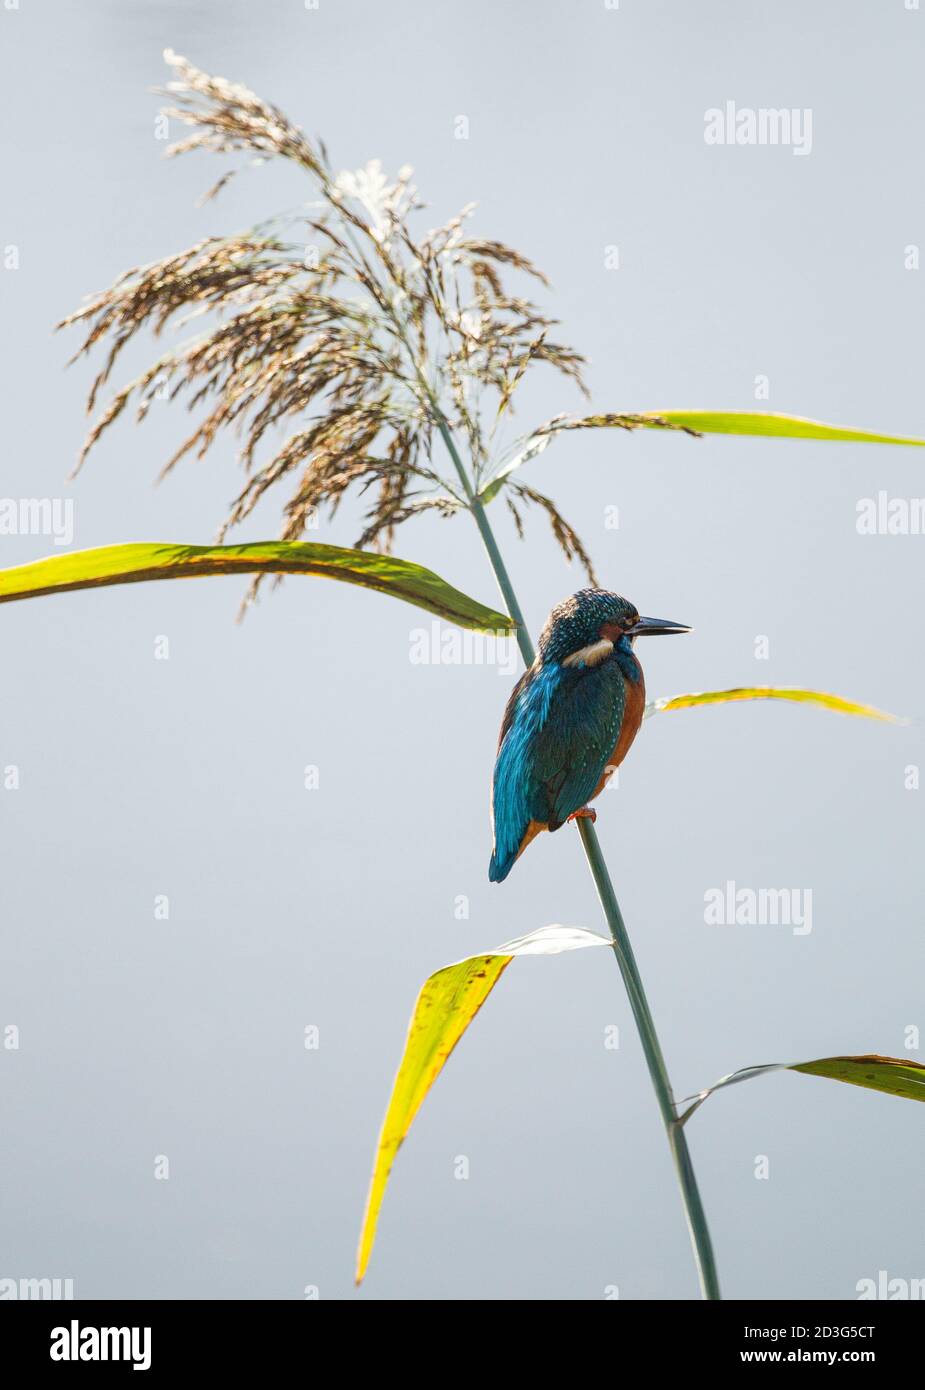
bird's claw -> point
(584, 813)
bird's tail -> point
(498, 869)
(502, 864)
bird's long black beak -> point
(655, 627)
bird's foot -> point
(584, 813)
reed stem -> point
(622, 947)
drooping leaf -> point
(763, 424)
(896, 1076)
(769, 425)
(131, 564)
(446, 1005)
(771, 692)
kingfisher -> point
(570, 720)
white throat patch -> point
(592, 655)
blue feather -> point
(514, 795)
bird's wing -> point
(515, 798)
(559, 730)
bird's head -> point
(584, 629)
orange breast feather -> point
(633, 711)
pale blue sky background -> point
(290, 908)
